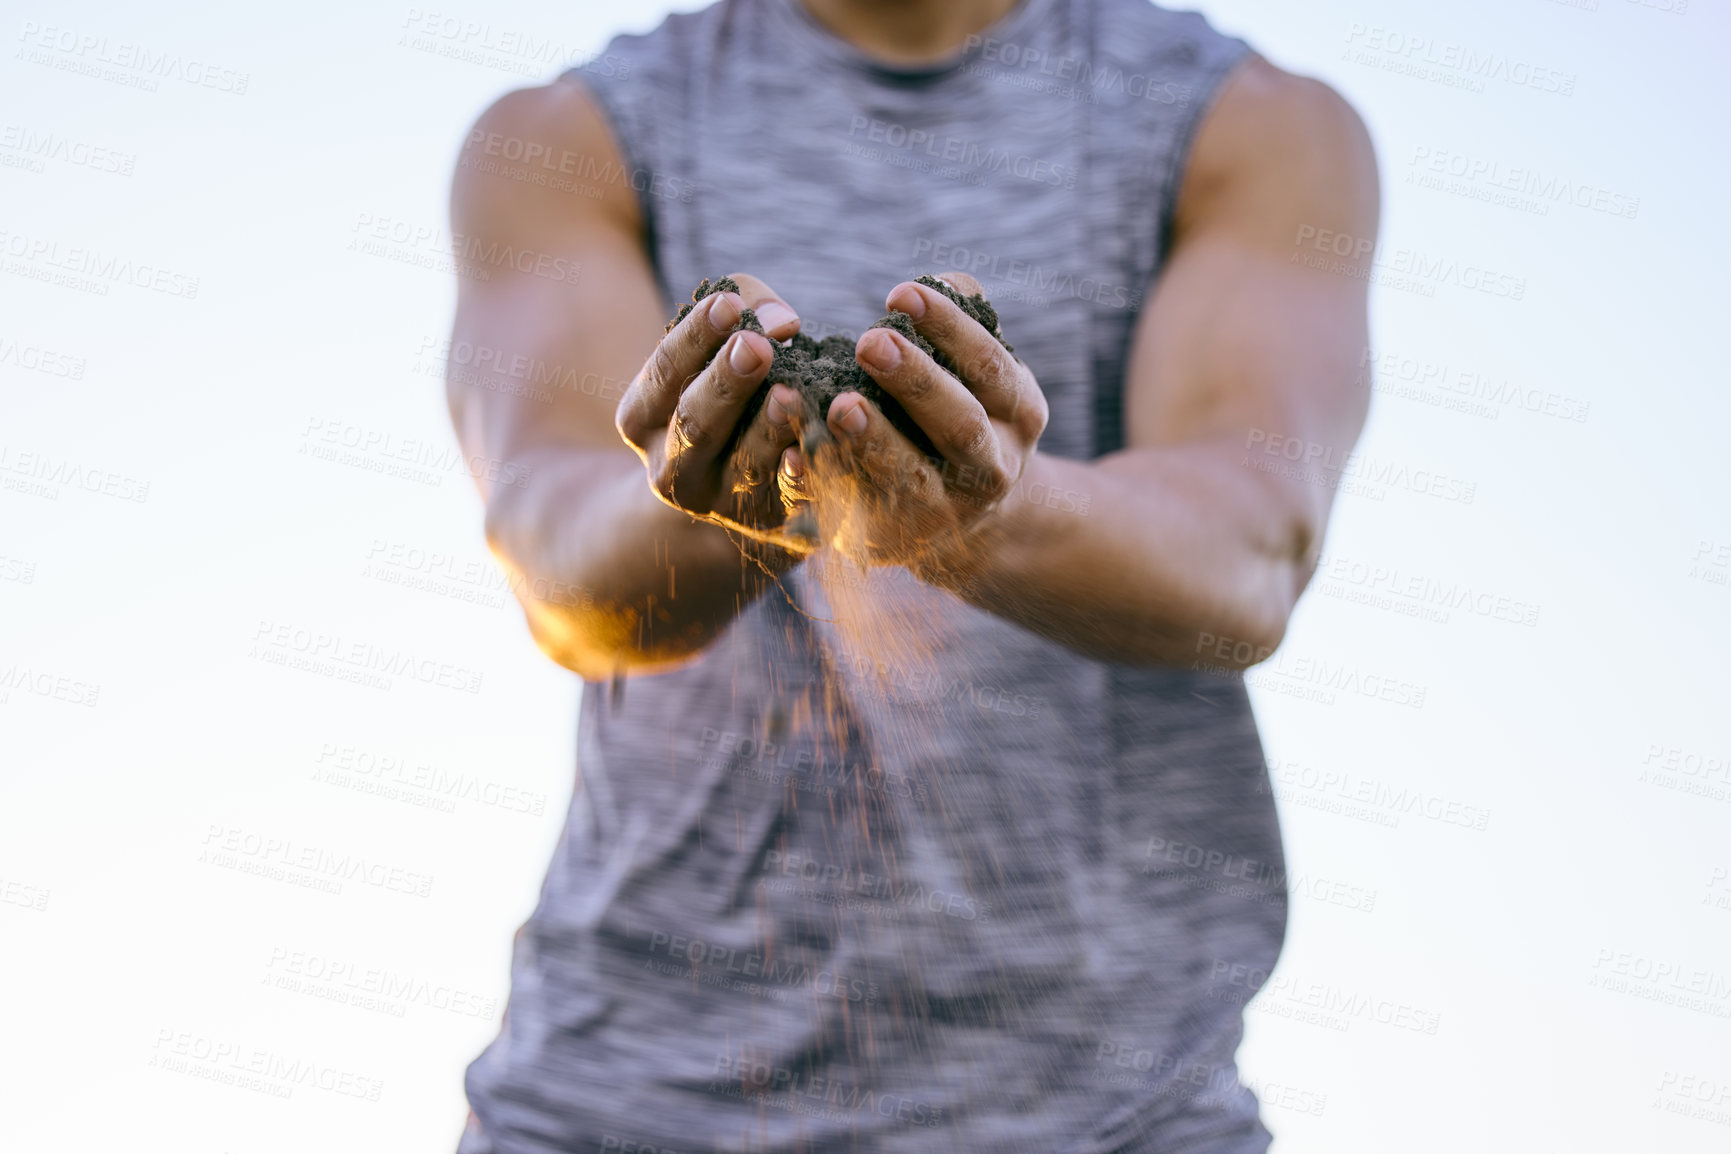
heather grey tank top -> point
(881, 872)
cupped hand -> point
(902, 507)
(682, 414)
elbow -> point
(580, 619)
(1237, 645)
(1249, 631)
(600, 641)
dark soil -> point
(822, 370)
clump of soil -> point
(822, 370)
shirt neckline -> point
(799, 23)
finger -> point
(940, 404)
(988, 368)
(878, 449)
(707, 415)
(793, 477)
(776, 316)
(962, 283)
(759, 453)
(649, 403)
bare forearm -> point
(611, 579)
(1148, 556)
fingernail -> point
(853, 422)
(743, 357)
(723, 314)
(773, 315)
(910, 300)
(779, 408)
(791, 463)
(882, 352)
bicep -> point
(557, 305)
(1244, 338)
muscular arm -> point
(1184, 539)
(611, 579)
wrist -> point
(973, 558)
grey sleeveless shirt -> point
(813, 893)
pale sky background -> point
(1574, 953)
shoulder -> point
(544, 150)
(1274, 141)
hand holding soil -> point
(695, 415)
(909, 439)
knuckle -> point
(917, 385)
(971, 436)
(625, 421)
(942, 325)
(994, 481)
(770, 437)
(663, 363)
(722, 384)
(685, 429)
(664, 482)
(1031, 417)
